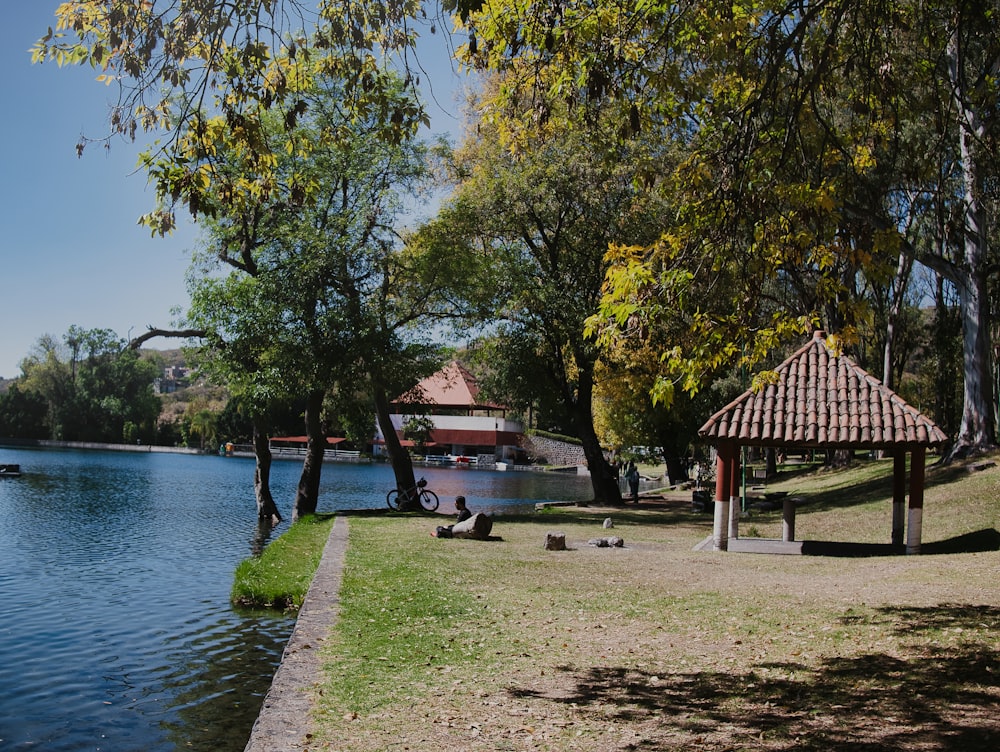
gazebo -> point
(821, 399)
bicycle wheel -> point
(393, 498)
(428, 500)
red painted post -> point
(916, 515)
(723, 468)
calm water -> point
(115, 570)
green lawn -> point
(501, 645)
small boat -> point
(10, 471)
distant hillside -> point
(173, 357)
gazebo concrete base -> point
(764, 546)
(805, 547)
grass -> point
(851, 504)
(280, 576)
(501, 645)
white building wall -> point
(463, 423)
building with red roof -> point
(465, 427)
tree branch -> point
(137, 342)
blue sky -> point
(71, 252)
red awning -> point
(473, 438)
(404, 442)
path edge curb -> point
(285, 716)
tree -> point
(94, 386)
(543, 215)
(23, 413)
(625, 416)
(45, 373)
(319, 287)
(804, 127)
(956, 51)
(417, 429)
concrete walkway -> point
(286, 715)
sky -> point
(71, 251)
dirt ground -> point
(873, 654)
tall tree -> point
(23, 413)
(319, 285)
(95, 387)
(800, 121)
(953, 97)
(544, 215)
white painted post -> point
(734, 494)
(720, 539)
(898, 496)
(913, 530)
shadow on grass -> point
(936, 698)
(987, 539)
(678, 515)
(864, 492)
(977, 542)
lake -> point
(115, 572)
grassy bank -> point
(280, 577)
(501, 645)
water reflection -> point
(115, 573)
(265, 526)
(118, 634)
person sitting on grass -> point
(467, 525)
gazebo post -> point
(723, 483)
(734, 493)
(788, 519)
(915, 523)
(898, 496)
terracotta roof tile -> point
(822, 399)
(451, 387)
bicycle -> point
(398, 498)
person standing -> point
(632, 476)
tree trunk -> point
(899, 285)
(399, 458)
(676, 468)
(948, 373)
(266, 508)
(975, 434)
(602, 476)
(307, 494)
(976, 431)
(770, 463)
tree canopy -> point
(88, 387)
(807, 151)
(195, 72)
(819, 138)
(542, 217)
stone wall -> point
(552, 452)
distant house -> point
(177, 373)
(173, 379)
(464, 426)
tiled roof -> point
(822, 399)
(451, 387)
